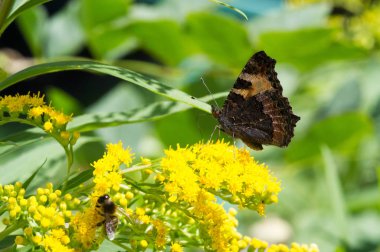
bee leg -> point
(101, 223)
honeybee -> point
(107, 209)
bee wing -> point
(110, 226)
(121, 211)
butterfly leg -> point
(212, 133)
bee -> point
(106, 208)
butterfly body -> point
(255, 110)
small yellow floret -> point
(176, 247)
(143, 243)
(48, 126)
(19, 240)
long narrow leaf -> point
(30, 179)
(118, 72)
(152, 112)
(19, 9)
(336, 192)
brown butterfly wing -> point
(255, 110)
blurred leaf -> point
(122, 73)
(364, 199)
(180, 128)
(19, 7)
(20, 163)
(364, 232)
(341, 132)
(63, 101)
(63, 33)
(112, 43)
(98, 12)
(163, 39)
(288, 19)
(336, 193)
(346, 98)
(32, 23)
(104, 23)
(308, 48)
(20, 140)
(222, 39)
(7, 244)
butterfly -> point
(255, 109)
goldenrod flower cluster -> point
(173, 204)
(261, 246)
(43, 216)
(222, 169)
(31, 109)
(192, 173)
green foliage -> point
(330, 81)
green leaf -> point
(31, 24)
(308, 48)
(336, 193)
(152, 112)
(118, 72)
(56, 41)
(340, 133)
(98, 12)
(155, 111)
(167, 43)
(19, 7)
(288, 19)
(63, 101)
(29, 180)
(79, 179)
(21, 140)
(222, 39)
(7, 244)
(104, 24)
(20, 162)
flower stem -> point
(10, 229)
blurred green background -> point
(328, 62)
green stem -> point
(5, 9)
(136, 168)
(10, 229)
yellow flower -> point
(31, 109)
(19, 240)
(220, 168)
(107, 173)
(48, 126)
(56, 241)
(84, 225)
(161, 233)
(143, 243)
(44, 217)
(176, 247)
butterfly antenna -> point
(212, 95)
